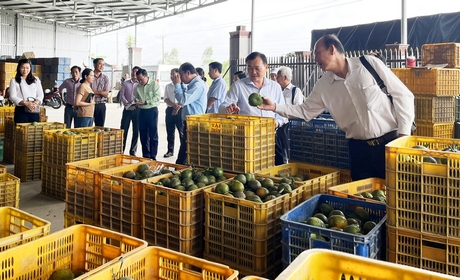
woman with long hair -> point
(26, 92)
(84, 100)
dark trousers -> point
(126, 119)
(173, 122)
(282, 145)
(21, 116)
(69, 114)
(148, 130)
(367, 159)
(182, 156)
(99, 114)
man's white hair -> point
(285, 72)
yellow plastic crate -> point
(421, 195)
(28, 166)
(3, 169)
(80, 247)
(160, 263)
(83, 183)
(236, 143)
(350, 189)
(246, 235)
(434, 109)
(253, 278)
(440, 130)
(441, 53)
(423, 251)
(70, 220)
(60, 149)
(18, 227)
(327, 264)
(173, 218)
(309, 171)
(109, 142)
(53, 181)
(5, 112)
(9, 190)
(434, 82)
(29, 138)
(120, 203)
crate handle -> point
(115, 276)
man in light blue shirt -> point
(236, 100)
(218, 89)
(192, 99)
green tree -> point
(207, 56)
(171, 57)
(130, 41)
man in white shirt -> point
(218, 89)
(292, 95)
(172, 121)
(236, 100)
(357, 104)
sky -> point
(280, 27)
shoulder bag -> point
(380, 83)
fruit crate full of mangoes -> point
(322, 177)
(242, 222)
(29, 136)
(75, 252)
(18, 227)
(320, 142)
(370, 190)
(161, 263)
(68, 145)
(173, 208)
(109, 141)
(423, 185)
(236, 143)
(328, 264)
(83, 183)
(336, 223)
(121, 194)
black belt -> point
(100, 102)
(382, 140)
(73, 106)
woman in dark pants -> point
(26, 92)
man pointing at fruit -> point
(239, 97)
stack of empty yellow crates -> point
(435, 87)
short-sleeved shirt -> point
(101, 83)
(71, 87)
(85, 111)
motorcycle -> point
(52, 98)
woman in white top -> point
(26, 92)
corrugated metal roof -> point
(102, 16)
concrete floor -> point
(51, 209)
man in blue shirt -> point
(218, 89)
(236, 100)
(192, 99)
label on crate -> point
(216, 127)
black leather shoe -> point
(168, 154)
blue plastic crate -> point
(296, 234)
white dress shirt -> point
(239, 94)
(357, 104)
(169, 93)
(287, 92)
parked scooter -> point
(52, 98)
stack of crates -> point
(434, 89)
(457, 118)
(8, 147)
(8, 72)
(68, 145)
(5, 112)
(319, 142)
(236, 143)
(9, 189)
(423, 202)
(28, 149)
(83, 187)
(247, 235)
(54, 70)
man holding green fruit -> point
(240, 98)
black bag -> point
(380, 83)
(88, 98)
